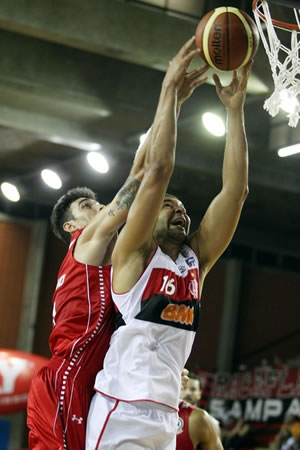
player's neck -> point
(171, 249)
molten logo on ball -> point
(227, 38)
(217, 45)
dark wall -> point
(269, 315)
(14, 248)
(203, 356)
(55, 252)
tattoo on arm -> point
(126, 195)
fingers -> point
(195, 78)
(217, 81)
(195, 74)
(186, 51)
(184, 378)
(188, 45)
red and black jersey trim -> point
(160, 309)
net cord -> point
(285, 72)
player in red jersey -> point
(83, 317)
(196, 429)
(158, 274)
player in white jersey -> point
(158, 273)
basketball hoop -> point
(284, 61)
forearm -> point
(125, 197)
(165, 119)
(235, 165)
(138, 167)
(162, 140)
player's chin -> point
(179, 235)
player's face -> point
(84, 210)
(191, 392)
(173, 220)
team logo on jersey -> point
(61, 281)
(193, 288)
(178, 313)
(180, 424)
(190, 261)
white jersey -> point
(160, 316)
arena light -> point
(288, 151)
(51, 178)
(98, 162)
(81, 145)
(10, 191)
(214, 124)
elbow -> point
(159, 172)
(239, 194)
(161, 168)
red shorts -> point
(58, 405)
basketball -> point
(227, 38)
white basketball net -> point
(284, 62)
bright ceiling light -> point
(214, 124)
(81, 145)
(97, 162)
(288, 101)
(288, 151)
(10, 191)
(51, 179)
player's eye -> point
(86, 205)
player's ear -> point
(70, 226)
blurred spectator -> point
(288, 437)
(226, 416)
(278, 363)
(265, 364)
(238, 435)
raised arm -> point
(98, 234)
(221, 218)
(136, 236)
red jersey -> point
(83, 322)
(183, 440)
(83, 317)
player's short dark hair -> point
(61, 212)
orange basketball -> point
(227, 38)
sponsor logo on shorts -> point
(77, 419)
(180, 424)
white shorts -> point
(114, 424)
